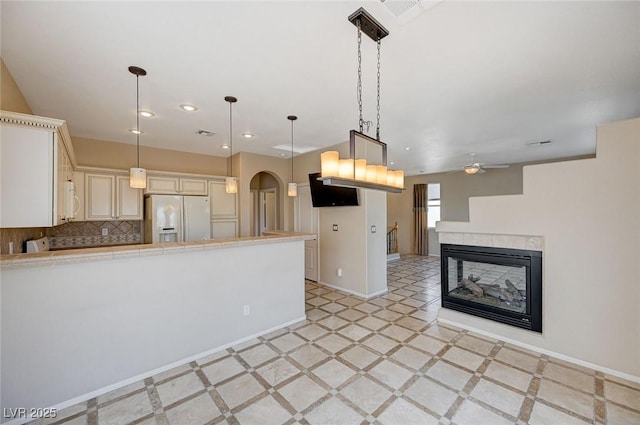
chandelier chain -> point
(231, 138)
(292, 150)
(378, 92)
(138, 118)
(359, 89)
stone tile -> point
(380, 343)
(125, 410)
(404, 413)
(179, 388)
(428, 344)
(411, 323)
(302, 392)
(390, 374)
(359, 357)
(317, 301)
(463, 358)
(566, 397)
(175, 371)
(120, 392)
(431, 395)
(333, 412)
(388, 315)
(545, 415)
(277, 371)
(498, 397)
(449, 375)
(411, 357)
(508, 375)
(355, 332)
(397, 332)
(622, 394)
(266, 411)
(333, 322)
(478, 345)
(621, 416)
(570, 377)
(518, 360)
(311, 332)
(366, 394)
(223, 369)
(473, 414)
(333, 343)
(198, 410)
(288, 342)
(371, 322)
(351, 314)
(240, 390)
(334, 373)
(442, 332)
(307, 355)
(257, 355)
(333, 307)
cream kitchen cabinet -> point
(109, 197)
(36, 158)
(224, 211)
(176, 186)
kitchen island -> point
(79, 323)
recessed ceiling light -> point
(392, 163)
(205, 133)
(225, 146)
(407, 148)
(134, 131)
(247, 135)
(188, 108)
(147, 114)
(283, 154)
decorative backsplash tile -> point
(83, 234)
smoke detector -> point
(407, 10)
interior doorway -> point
(265, 198)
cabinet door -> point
(193, 187)
(26, 177)
(223, 204)
(224, 229)
(99, 197)
(128, 200)
(167, 185)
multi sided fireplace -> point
(500, 284)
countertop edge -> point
(40, 259)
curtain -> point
(420, 239)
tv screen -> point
(331, 196)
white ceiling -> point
(462, 77)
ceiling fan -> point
(476, 167)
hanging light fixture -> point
(369, 172)
(231, 183)
(137, 175)
(292, 189)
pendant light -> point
(292, 189)
(371, 171)
(137, 175)
(231, 183)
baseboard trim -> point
(352, 292)
(560, 356)
(392, 257)
(117, 385)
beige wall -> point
(587, 211)
(11, 98)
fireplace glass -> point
(500, 284)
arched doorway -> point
(265, 201)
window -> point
(433, 204)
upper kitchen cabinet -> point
(36, 160)
(109, 197)
(176, 186)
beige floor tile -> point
(316, 314)
(411, 357)
(518, 359)
(545, 415)
(380, 343)
(397, 332)
(240, 390)
(277, 371)
(307, 355)
(317, 301)
(498, 397)
(366, 394)
(222, 369)
(121, 392)
(568, 398)
(333, 343)
(302, 392)
(391, 374)
(426, 343)
(388, 315)
(287, 342)
(463, 358)
(198, 410)
(333, 412)
(367, 308)
(473, 414)
(333, 307)
(570, 377)
(175, 371)
(355, 332)
(621, 416)
(478, 345)
(179, 388)
(334, 373)
(257, 355)
(431, 395)
(442, 332)
(372, 323)
(359, 357)
(333, 322)
(266, 411)
(449, 375)
(125, 410)
(311, 332)
(351, 314)
(508, 375)
(405, 413)
(411, 323)
(622, 394)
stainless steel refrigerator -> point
(174, 218)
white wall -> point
(588, 212)
(70, 329)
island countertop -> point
(39, 259)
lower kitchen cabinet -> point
(109, 197)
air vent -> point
(539, 143)
(205, 133)
(406, 10)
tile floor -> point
(381, 361)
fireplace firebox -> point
(501, 284)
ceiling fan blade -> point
(496, 166)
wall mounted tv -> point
(331, 196)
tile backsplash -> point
(77, 234)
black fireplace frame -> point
(531, 319)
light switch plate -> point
(105, 231)
(335, 227)
(373, 228)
